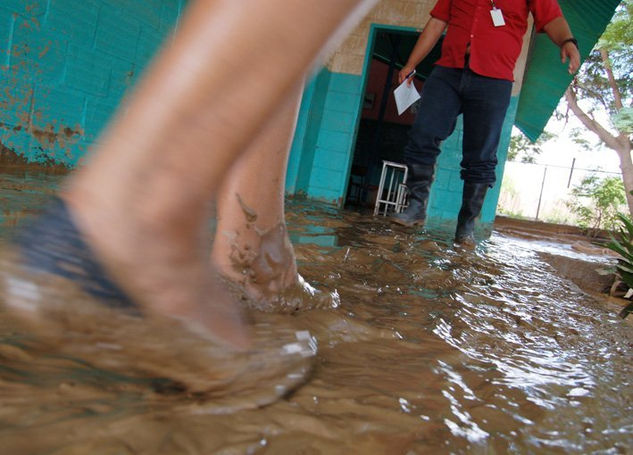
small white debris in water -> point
(578, 392)
(303, 335)
(22, 294)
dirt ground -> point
(590, 264)
(539, 230)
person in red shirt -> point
(473, 77)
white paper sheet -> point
(405, 95)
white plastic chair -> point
(392, 188)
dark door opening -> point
(382, 133)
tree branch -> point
(617, 97)
(605, 136)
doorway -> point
(382, 133)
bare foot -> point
(262, 263)
(260, 267)
(159, 266)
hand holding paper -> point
(405, 94)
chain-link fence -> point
(542, 192)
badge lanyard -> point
(497, 15)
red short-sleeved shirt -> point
(493, 50)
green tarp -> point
(546, 79)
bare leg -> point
(251, 245)
(141, 202)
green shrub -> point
(623, 245)
(597, 203)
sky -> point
(561, 150)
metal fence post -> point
(540, 196)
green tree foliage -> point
(603, 89)
(597, 203)
(608, 66)
(623, 120)
(523, 150)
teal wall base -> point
(66, 64)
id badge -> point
(497, 17)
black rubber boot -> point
(419, 184)
(472, 201)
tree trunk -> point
(620, 143)
(606, 62)
(626, 166)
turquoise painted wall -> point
(66, 64)
(323, 148)
(306, 133)
(335, 140)
(320, 156)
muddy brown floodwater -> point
(423, 348)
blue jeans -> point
(483, 101)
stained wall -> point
(65, 66)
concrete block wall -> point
(66, 64)
(332, 157)
(349, 57)
(306, 134)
